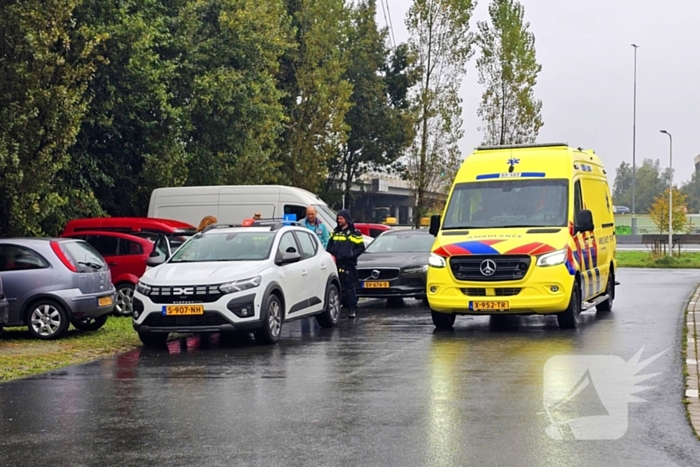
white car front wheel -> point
(272, 323)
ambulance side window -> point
(578, 197)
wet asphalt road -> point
(385, 389)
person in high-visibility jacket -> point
(346, 244)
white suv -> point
(238, 278)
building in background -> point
(380, 196)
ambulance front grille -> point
(504, 267)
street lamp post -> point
(670, 193)
(634, 148)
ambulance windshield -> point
(508, 203)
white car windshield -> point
(231, 246)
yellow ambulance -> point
(527, 229)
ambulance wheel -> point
(610, 292)
(569, 318)
(443, 320)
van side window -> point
(578, 197)
(300, 211)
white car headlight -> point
(436, 261)
(554, 258)
(416, 269)
(142, 288)
(239, 286)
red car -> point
(126, 256)
(372, 230)
(177, 232)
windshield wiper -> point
(90, 265)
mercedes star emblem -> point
(488, 267)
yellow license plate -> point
(489, 306)
(183, 310)
(104, 301)
(376, 285)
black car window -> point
(19, 258)
(106, 246)
(127, 247)
(299, 211)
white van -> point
(235, 203)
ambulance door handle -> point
(304, 273)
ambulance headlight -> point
(436, 261)
(554, 258)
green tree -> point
(228, 83)
(651, 180)
(692, 190)
(659, 212)
(379, 119)
(46, 61)
(440, 39)
(131, 140)
(316, 91)
(508, 68)
(622, 187)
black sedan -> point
(395, 264)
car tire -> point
(569, 318)
(47, 320)
(153, 339)
(443, 320)
(331, 314)
(272, 323)
(90, 324)
(610, 291)
(124, 303)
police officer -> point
(346, 244)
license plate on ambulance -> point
(489, 305)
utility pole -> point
(670, 194)
(634, 148)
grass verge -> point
(22, 355)
(643, 259)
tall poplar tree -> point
(508, 68)
(440, 39)
(317, 92)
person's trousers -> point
(348, 279)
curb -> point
(690, 358)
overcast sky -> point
(587, 79)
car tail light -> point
(63, 256)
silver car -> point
(53, 282)
(4, 308)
